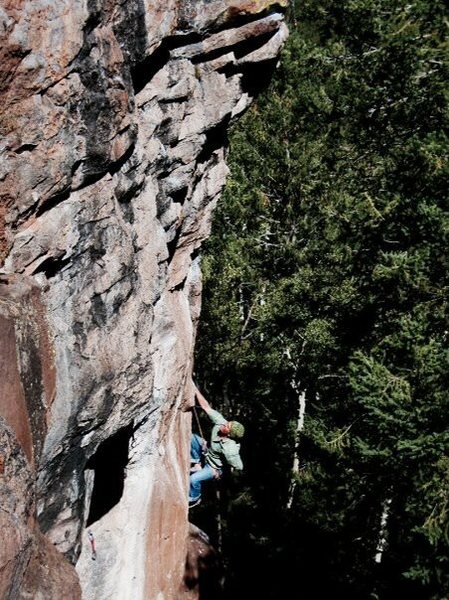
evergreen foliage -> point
(327, 273)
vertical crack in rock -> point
(114, 130)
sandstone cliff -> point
(113, 119)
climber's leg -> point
(197, 478)
(198, 447)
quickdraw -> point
(90, 535)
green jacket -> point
(222, 449)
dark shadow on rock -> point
(203, 578)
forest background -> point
(325, 315)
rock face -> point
(113, 120)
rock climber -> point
(208, 462)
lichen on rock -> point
(113, 118)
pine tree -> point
(326, 279)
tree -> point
(327, 276)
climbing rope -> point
(198, 422)
(219, 521)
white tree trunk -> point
(299, 428)
(381, 544)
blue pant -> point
(198, 448)
(197, 453)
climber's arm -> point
(235, 462)
(202, 401)
(216, 417)
(231, 451)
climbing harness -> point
(90, 535)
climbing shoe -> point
(193, 503)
